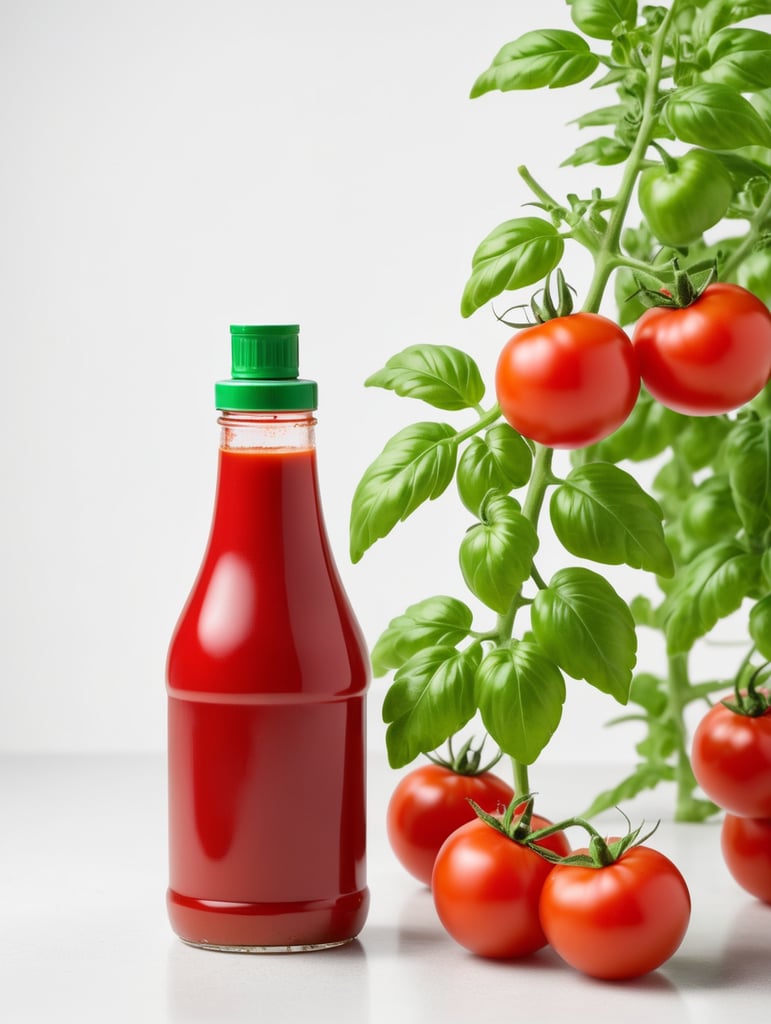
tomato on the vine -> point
(746, 846)
(682, 200)
(486, 887)
(430, 803)
(568, 382)
(621, 920)
(731, 759)
(709, 357)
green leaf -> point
(517, 253)
(650, 692)
(602, 117)
(520, 694)
(705, 590)
(708, 515)
(739, 57)
(760, 626)
(416, 465)
(500, 461)
(601, 513)
(496, 555)
(582, 623)
(441, 375)
(718, 13)
(433, 621)
(700, 438)
(645, 776)
(648, 431)
(544, 58)
(748, 456)
(430, 699)
(601, 19)
(715, 117)
(603, 151)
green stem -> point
(521, 780)
(678, 688)
(608, 252)
(486, 419)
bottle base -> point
(309, 948)
(267, 927)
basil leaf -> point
(739, 57)
(715, 117)
(500, 461)
(517, 253)
(760, 626)
(705, 590)
(433, 621)
(603, 151)
(601, 513)
(520, 694)
(718, 13)
(650, 692)
(440, 375)
(648, 431)
(544, 58)
(581, 623)
(748, 456)
(430, 699)
(600, 19)
(416, 465)
(496, 555)
(700, 438)
(602, 117)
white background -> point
(169, 167)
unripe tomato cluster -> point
(731, 759)
(573, 380)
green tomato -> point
(754, 274)
(681, 202)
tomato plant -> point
(619, 920)
(567, 382)
(754, 273)
(486, 886)
(430, 803)
(681, 75)
(709, 357)
(731, 756)
(746, 846)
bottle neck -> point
(277, 430)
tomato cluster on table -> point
(731, 759)
(505, 893)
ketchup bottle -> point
(266, 677)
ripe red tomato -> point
(709, 357)
(746, 845)
(619, 921)
(731, 759)
(486, 889)
(568, 382)
(430, 803)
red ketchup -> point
(266, 677)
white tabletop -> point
(84, 936)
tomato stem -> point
(756, 224)
(610, 244)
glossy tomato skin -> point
(707, 358)
(619, 921)
(428, 805)
(486, 889)
(731, 759)
(746, 846)
(568, 382)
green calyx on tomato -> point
(752, 703)
(468, 760)
(600, 853)
(683, 197)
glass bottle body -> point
(266, 677)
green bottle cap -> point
(265, 369)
